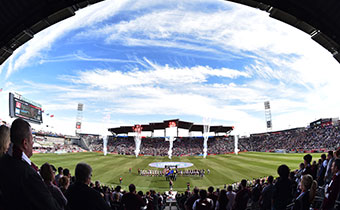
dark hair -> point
(330, 153)
(337, 163)
(323, 156)
(337, 153)
(53, 168)
(83, 172)
(46, 172)
(244, 183)
(20, 130)
(223, 200)
(63, 181)
(60, 169)
(307, 158)
(203, 194)
(132, 188)
(211, 189)
(283, 171)
(230, 188)
(118, 188)
(196, 190)
(66, 172)
(270, 179)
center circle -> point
(172, 164)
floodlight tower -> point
(79, 117)
(268, 115)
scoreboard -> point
(24, 108)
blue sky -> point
(138, 62)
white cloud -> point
(284, 65)
(44, 40)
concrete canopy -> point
(21, 19)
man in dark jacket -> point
(191, 200)
(267, 194)
(21, 185)
(332, 190)
(282, 189)
(80, 196)
(132, 201)
(242, 196)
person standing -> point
(242, 196)
(267, 194)
(21, 185)
(59, 175)
(80, 196)
(48, 175)
(332, 189)
(132, 201)
(171, 183)
(282, 193)
(308, 189)
(328, 174)
(231, 197)
(4, 139)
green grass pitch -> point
(225, 169)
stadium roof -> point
(191, 127)
(21, 19)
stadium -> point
(180, 105)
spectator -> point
(191, 200)
(242, 196)
(231, 198)
(267, 194)
(328, 174)
(256, 194)
(155, 199)
(308, 189)
(117, 191)
(322, 170)
(308, 168)
(47, 174)
(80, 196)
(4, 139)
(97, 187)
(282, 189)
(332, 189)
(212, 195)
(182, 200)
(64, 183)
(222, 201)
(66, 172)
(21, 185)
(203, 203)
(116, 204)
(132, 201)
(59, 175)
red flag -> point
(52, 115)
(0, 89)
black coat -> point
(80, 197)
(302, 202)
(22, 187)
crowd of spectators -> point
(47, 133)
(295, 140)
(295, 190)
(43, 189)
(316, 139)
(155, 146)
